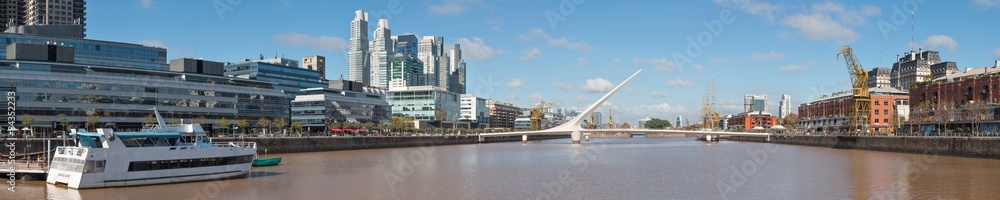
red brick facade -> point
(829, 113)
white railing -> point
(150, 128)
(252, 145)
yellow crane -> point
(538, 113)
(611, 120)
(860, 113)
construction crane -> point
(611, 120)
(538, 113)
(590, 124)
(709, 117)
(860, 113)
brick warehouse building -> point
(960, 102)
(829, 112)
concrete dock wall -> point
(973, 147)
(310, 144)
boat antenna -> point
(159, 120)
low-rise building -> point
(502, 115)
(285, 73)
(424, 103)
(751, 120)
(963, 102)
(830, 112)
(474, 110)
(342, 102)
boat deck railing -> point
(150, 128)
(71, 150)
(252, 145)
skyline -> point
(512, 48)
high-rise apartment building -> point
(315, 63)
(55, 12)
(456, 80)
(358, 69)
(785, 107)
(381, 52)
(880, 77)
(12, 13)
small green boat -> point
(266, 161)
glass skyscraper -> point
(285, 73)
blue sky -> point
(569, 52)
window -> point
(885, 112)
(876, 103)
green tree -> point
(92, 120)
(63, 121)
(657, 123)
(242, 125)
(150, 119)
(280, 123)
(440, 113)
(199, 120)
(263, 123)
(28, 120)
(174, 121)
(369, 125)
(296, 127)
(790, 120)
(224, 123)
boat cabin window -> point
(146, 142)
(187, 139)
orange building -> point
(750, 120)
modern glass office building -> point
(122, 97)
(344, 101)
(97, 52)
(285, 73)
(424, 102)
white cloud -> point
(152, 43)
(820, 27)
(658, 95)
(660, 64)
(146, 3)
(515, 83)
(513, 96)
(597, 85)
(532, 34)
(315, 42)
(563, 86)
(477, 49)
(697, 67)
(616, 60)
(581, 62)
(985, 4)
(718, 61)
(767, 57)
(678, 83)
(827, 21)
(552, 41)
(763, 9)
(629, 114)
(938, 41)
(790, 68)
(563, 42)
(530, 54)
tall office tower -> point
(456, 80)
(430, 50)
(443, 74)
(55, 12)
(315, 63)
(755, 102)
(381, 49)
(785, 107)
(358, 69)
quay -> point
(971, 147)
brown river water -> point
(613, 168)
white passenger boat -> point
(158, 154)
